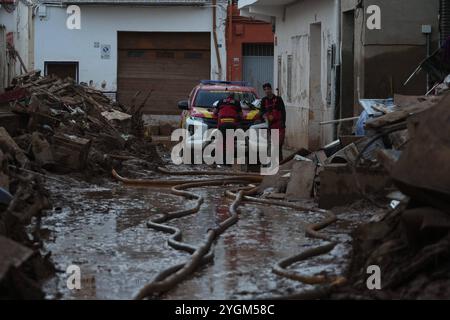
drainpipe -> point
(444, 21)
(31, 37)
(216, 45)
(230, 41)
(337, 67)
(426, 30)
(338, 32)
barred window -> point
(257, 49)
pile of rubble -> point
(51, 126)
(22, 197)
(399, 161)
(66, 127)
(411, 245)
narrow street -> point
(224, 152)
(103, 230)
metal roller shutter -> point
(169, 63)
(258, 65)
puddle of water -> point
(102, 230)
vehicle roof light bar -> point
(231, 83)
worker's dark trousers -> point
(226, 145)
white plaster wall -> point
(293, 36)
(19, 22)
(54, 42)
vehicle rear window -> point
(206, 98)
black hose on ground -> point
(201, 255)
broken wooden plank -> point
(301, 182)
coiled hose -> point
(311, 230)
(201, 255)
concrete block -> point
(338, 186)
(301, 182)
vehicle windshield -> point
(206, 98)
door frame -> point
(76, 63)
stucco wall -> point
(55, 42)
(382, 61)
(389, 55)
(19, 22)
(251, 33)
(293, 38)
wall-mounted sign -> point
(106, 51)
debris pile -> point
(411, 245)
(66, 127)
(399, 161)
(22, 198)
(52, 126)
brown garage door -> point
(169, 63)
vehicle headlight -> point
(196, 125)
(199, 121)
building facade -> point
(376, 61)
(331, 53)
(122, 47)
(249, 49)
(306, 40)
(16, 31)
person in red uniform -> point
(274, 110)
(229, 115)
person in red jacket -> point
(274, 110)
(229, 115)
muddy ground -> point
(101, 227)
